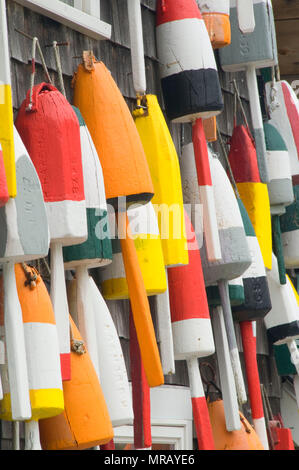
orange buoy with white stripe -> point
(253, 192)
(85, 423)
(42, 349)
(244, 439)
(216, 16)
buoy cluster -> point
(94, 185)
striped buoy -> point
(257, 296)
(236, 258)
(253, 192)
(248, 52)
(280, 186)
(282, 322)
(41, 342)
(110, 360)
(25, 237)
(165, 172)
(216, 17)
(85, 422)
(119, 147)
(243, 439)
(189, 75)
(192, 331)
(51, 133)
(4, 195)
(284, 112)
(145, 230)
(6, 108)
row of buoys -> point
(103, 153)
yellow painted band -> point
(255, 198)
(44, 404)
(151, 262)
(7, 138)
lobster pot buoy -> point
(216, 17)
(4, 195)
(25, 237)
(111, 365)
(282, 322)
(284, 113)
(253, 192)
(190, 82)
(165, 173)
(257, 296)
(192, 331)
(236, 293)
(244, 439)
(234, 247)
(85, 422)
(105, 112)
(6, 107)
(258, 47)
(280, 186)
(51, 133)
(97, 250)
(147, 241)
(42, 349)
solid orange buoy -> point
(85, 422)
(244, 439)
(114, 133)
(216, 18)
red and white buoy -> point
(192, 331)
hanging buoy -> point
(4, 195)
(253, 192)
(244, 439)
(127, 181)
(190, 82)
(147, 241)
(111, 365)
(85, 422)
(165, 173)
(236, 258)
(41, 341)
(192, 332)
(51, 133)
(6, 107)
(284, 112)
(216, 17)
(25, 238)
(250, 52)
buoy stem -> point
(32, 437)
(278, 249)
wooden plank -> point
(288, 46)
(285, 9)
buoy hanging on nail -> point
(216, 17)
(50, 131)
(189, 75)
(41, 341)
(253, 192)
(192, 331)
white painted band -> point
(184, 45)
(67, 222)
(260, 429)
(214, 6)
(257, 268)
(279, 166)
(193, 337)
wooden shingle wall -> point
(115, 53)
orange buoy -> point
(114, 133)
(210, 128)
(244, 439)
(216, 18)
(85, 422)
